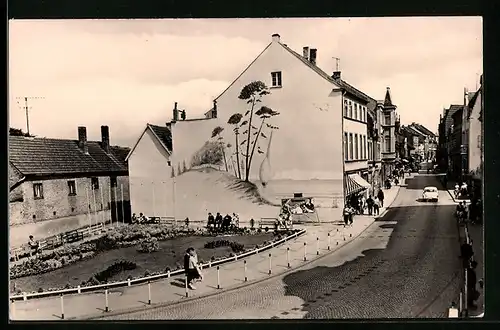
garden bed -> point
(169, 256)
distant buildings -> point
(418, 142)
(76, 180)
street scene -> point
(230, 169)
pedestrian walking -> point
(376, 206)
(381, 196)
(351, 216)
(347, 213)
(192, 268)
(369, 205)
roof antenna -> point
(28, 108)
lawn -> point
(171, 253)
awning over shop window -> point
(351, 186)
(359, 180)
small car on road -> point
(430, 194)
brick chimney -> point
(305, 52)
(82, 139)
(312, 55)
(214, 113)
(105, 138)
(336, 75)
(176, 113)
(276, 37)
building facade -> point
(390, 126)
(77, 182)
(457, 151)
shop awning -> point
(351, 186)
(359, 180)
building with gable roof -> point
(67, 179)
(319, 147)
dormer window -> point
(276, 79)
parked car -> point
(430, 194)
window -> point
(114, 182)
(94, 183)
(364, 147)
(346, 149)
(346, 108)
(356, 147)
(276, 79)
(356, 111)
(350, 109)
(38, 190)
(72, 187)
(364, 114)
(387, 143)
(370, 153)
(377, 151)
(388, 119)
(351, 150)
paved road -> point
(404, 265)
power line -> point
(27, 108)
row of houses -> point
(461, 139)
(416, 142)
(325, 139)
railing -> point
(55, 241)
(80, 289)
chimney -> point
(276, 37)
(214, 115)
(82, 139)
(305, 52)
(466, 93)
(336, 75)
(183, 114)
(176, 113)
(105, 138)
(312, 55)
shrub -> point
(259, 230)
(149, 245)
(40, 290)
(114, 269)
(212, 258)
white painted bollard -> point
(460, 303)
(245, 270)
(168, 274)
(288, 257)
(106, 308)
(186, 286)
(305, 251)
(209, 263)
(62, 307)
(149, 293)
(79, 289)
(328, 242)
(25, 296)
(218, 277)
(128, 282)
(270, 264)
(13, 310)
(317, 246)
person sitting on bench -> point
(309, 206)
(34, 245)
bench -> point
(72, 236)
(268, 223)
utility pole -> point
(337, 63)
(27, 109)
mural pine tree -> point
(179, 170)
(252, 94)
(216, 133)
(235, 121)
(184, 167)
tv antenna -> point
(27, 108)
(337, 62)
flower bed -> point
(147, 264)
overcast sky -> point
(125, 73)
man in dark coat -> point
(226, 222)
(381, 196)
(218, 220)
(369, 204)
(211, 220)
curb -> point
(230, 289)
(389, 206)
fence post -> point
(317, 246)
(128, 282)
(209, 263)
(62, 307)
(186, 286)
(106, 308)
(270, 264)
(79, 289)
(149, 293)
(245, 270)
(168, 274)
(305, 251)
(288, 257)
(466, 295)
(460, 303)
(25, 296)
(218, 278)
(328, 242)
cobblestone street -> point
(404, 265)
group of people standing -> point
(359, 205)
(223, 223)
(461, 190)
(470, 266)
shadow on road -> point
(422, 181)
(398, 280)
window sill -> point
(36, 198)
(275, 87)
(72, 194)
(356, 120)
(355, 160)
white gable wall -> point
(151, 188)
(475, 135)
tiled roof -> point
(423, 129)
(39, 156)
(164, 134)
(339, 82)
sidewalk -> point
(231, 275)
